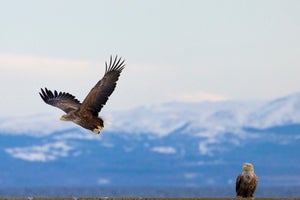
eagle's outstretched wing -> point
(99, 94)
(62, 100)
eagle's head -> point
(248, 167)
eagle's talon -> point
(96, 131)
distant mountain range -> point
(174, 144)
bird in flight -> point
(85, 114)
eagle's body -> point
(246, 182)
(85, 114)
(87, 121)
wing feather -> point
(61, 100)
(100, 93)
(238, 184)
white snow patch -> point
(206, 147)
(206, 163)
(203, 119)
(280, 111)
(103, 181)
(163, 119)
(164, 149)
(42, 153)
(190, 175)
(77, 135)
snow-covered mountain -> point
(172, 144)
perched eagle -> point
(246, 182)
(85, 114)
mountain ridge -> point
(174, 144)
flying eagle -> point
(85, 114)
(246, 182)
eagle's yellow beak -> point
(246, 166)
(62, 118)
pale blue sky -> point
(174, 50)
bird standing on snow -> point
(246, 182)
(85, 114)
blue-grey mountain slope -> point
(174, 144)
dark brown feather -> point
(100, 93)
(238, 183)
(245, 188)
(62, 100)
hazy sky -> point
(174, 50)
